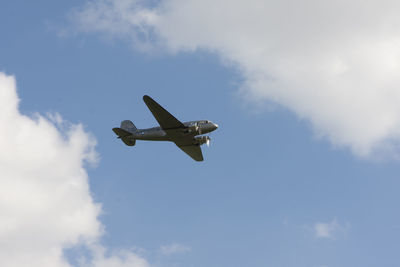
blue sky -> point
(270, 178)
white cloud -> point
(333, 63)
(119, 258)
(45, 200)
(174, 248)
(329, 230)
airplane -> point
(183, 134)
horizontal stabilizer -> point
(121, 132)
(125, 136)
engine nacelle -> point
(193, 129)
(200, 140)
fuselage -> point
(192, 129)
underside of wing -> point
(164, 118)
(194, 151)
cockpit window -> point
(199, 122)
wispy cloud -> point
(333, 63)
(330, 230)
(174, 248)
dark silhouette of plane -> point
(183, 134)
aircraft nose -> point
(215, 126)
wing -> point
(189, 147)
(194, 151)
(164, 118)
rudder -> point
(127, 125)
(125, 132)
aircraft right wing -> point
(164, 118)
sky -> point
(302, 171)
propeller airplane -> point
(186, 135)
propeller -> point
(208, 142)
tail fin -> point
(125, 132)
(127, 125)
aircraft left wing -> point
(189, 147)
(194, 151)
(164, 118)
